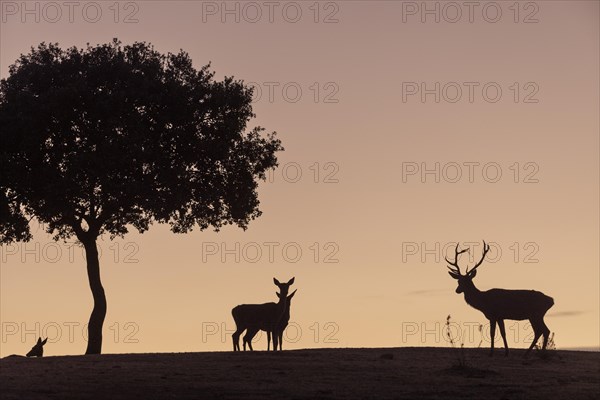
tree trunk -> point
(99, 312)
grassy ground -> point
(398, 373)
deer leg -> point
(268, 340)
(250, 333)
(252, 338)
(276, 334)
(537, 333)
(503, 333)
(546, 333)
(275, 341)
(236, 339)
(280, 335)
(492, 334)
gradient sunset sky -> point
(356, 212)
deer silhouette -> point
(279, 328)
(38, 349)
(260, 316)
(500, 304)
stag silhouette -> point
(279, 328)
(500, 304)
(260, 316)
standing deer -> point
(38, 349)
(279, 328)
(500, 304)
(260, 316)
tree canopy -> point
(112, 136)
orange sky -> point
(357, 192)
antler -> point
(455, 263)
(486, 248)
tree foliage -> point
(107, 137)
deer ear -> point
(44, 342)
(473, 273)
(39, 340)
(452, 274)
(276, 282)
(291, 281)
(292, 295)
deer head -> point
(464, 281)
(38, 349)
(289, 297)
(283, 287)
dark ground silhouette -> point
(398, 373)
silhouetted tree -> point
(101, 139)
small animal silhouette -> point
(260, 316)
(279, 328)
(38, 349)
(500, 304)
